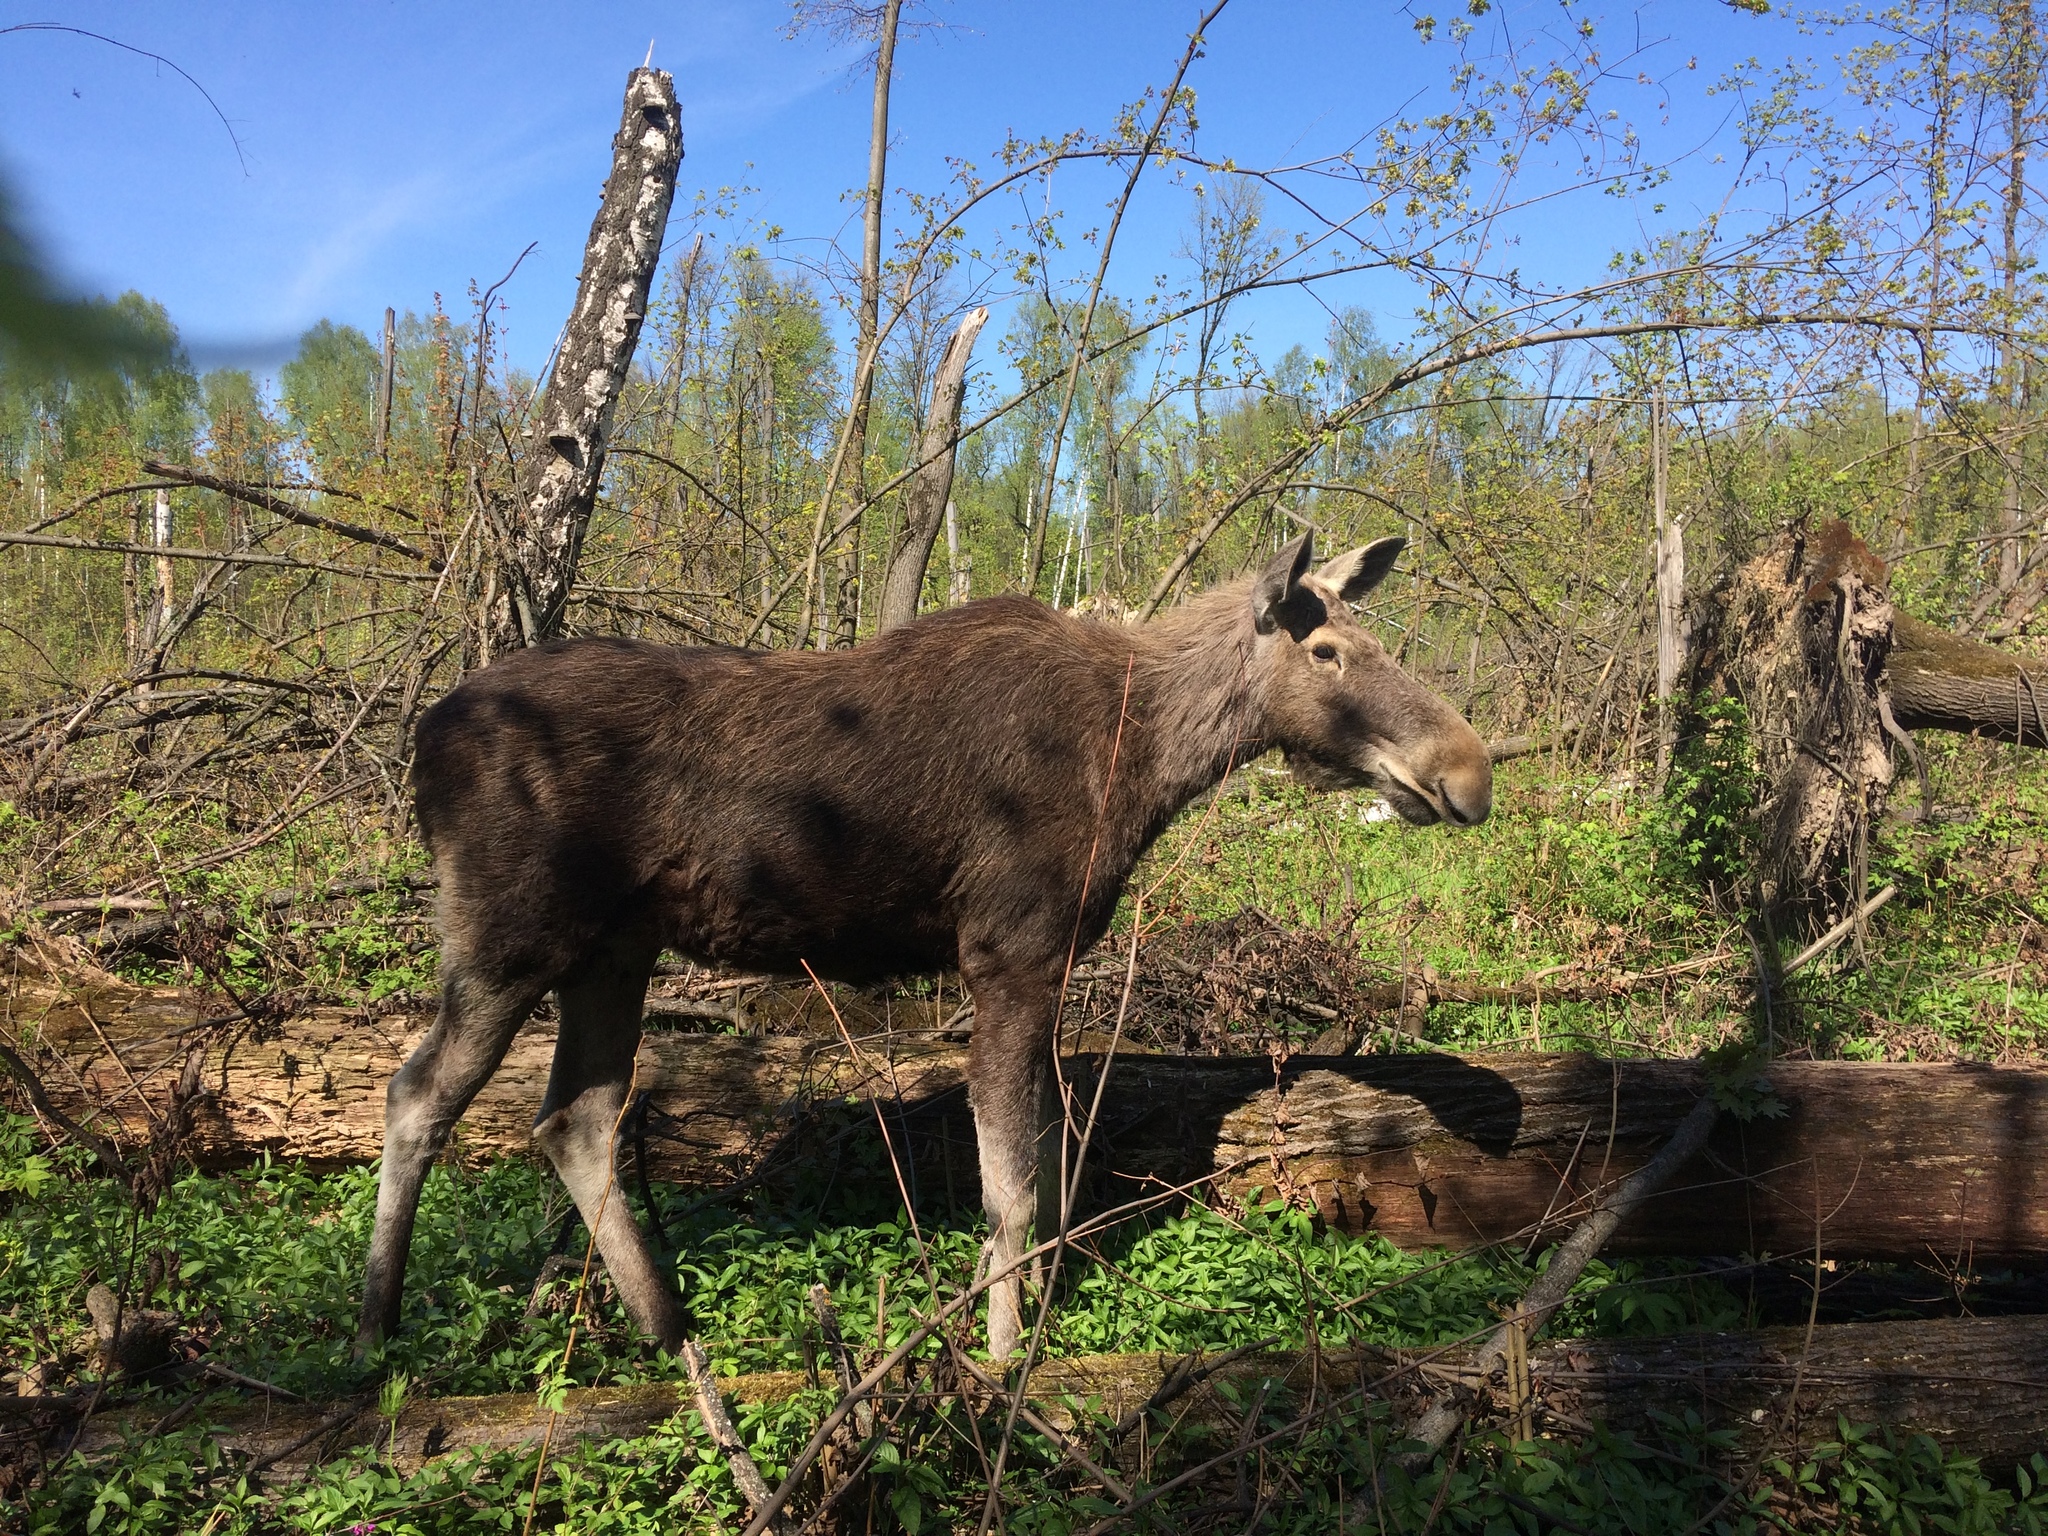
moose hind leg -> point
(1007, 1076)
(579, 1119)
(478, 1017)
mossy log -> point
(1943, 682)
(1977, 1386)
(1876, 1161)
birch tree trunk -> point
(1670, 586)
(925, 503)
(527, 595)
(956, 574)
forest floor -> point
(1573, 877)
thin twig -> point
(102, 1150)
(745, 1475)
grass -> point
(1572, 871)
(264, 1267)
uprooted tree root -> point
(1800, 636)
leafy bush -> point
(1703, 834)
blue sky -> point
(391, 151)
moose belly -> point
(761, 912)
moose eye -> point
(1324, 652)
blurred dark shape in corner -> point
(43, 331)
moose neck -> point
(1198, 690)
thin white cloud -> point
(340, 249)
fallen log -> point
(1977, 1386)
(1875, 1161)
(1944, 682)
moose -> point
(969, 792)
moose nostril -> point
(1469, 808)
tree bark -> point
(1977, 1386)
(1943, 682)
(1887, 1162)
(529, 592)
(1670, 581)
(924, 503)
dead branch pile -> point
(1250, 985)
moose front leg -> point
(1008, 1075)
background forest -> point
(225, 602)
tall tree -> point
(330, 392)
(837, 621)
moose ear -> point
(1278, 586)
(1356, 572)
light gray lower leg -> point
(578, 1125)
(1009, 1121)
(475, 1026)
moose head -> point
(1342, 710)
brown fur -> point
(928, 801)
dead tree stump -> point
(1831, 681)
(1805, 632)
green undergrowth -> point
(1343, 1473)
(1579, 874)
(262, 1267)
(374, 944)
(1576, 876)
(265, 1267)
(1581, 877)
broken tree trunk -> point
(543, 538)
(1879, 1161)
(1977, 1386)
(1832, 678)
(924, 504)
(1806, 628)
